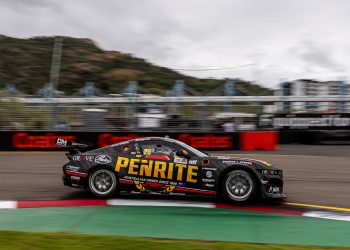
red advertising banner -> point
(33, 140)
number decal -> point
(147, 151)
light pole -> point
(55, 74)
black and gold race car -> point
(167, 166)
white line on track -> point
(126, 202)
(327, 215)
(8, 204)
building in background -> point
(313, 88)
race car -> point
(168, 166)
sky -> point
(265, 41)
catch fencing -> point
(116, 117)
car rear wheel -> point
(239, 186)
(103, 182)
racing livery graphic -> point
(167, 166)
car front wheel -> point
(239, 186)
(103, 182)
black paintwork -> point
(206, 172)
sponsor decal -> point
(138, 149)
(152, 185)
(76, 178)
(89, 158)
(269, 172)
(209, 174)
(148, 187)
(61, 142)
(177, 194)
(238, 162)
(192, 162)
(273, 189)
(211, 169)
(208, 180)
(307, 122)
(223, 157)
(72, 168)
(76, 158)
(264, 181)
(48, 141)
(149, 180)
(77, 185)
(103, 159)
(208, 185)
(157, 169)
(140, 187)
(180, 160)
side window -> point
(158, 148)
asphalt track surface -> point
(313, 174)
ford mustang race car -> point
(167, 166)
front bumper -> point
(272, 187)
(275, 196)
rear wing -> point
(72, 147)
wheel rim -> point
(102, 181)
(239, 185)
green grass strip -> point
(180, 223)
(13, 240)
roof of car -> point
(154, 138)
(142, 139)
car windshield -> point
(192, 149)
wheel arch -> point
(93, 168)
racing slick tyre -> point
(239, 186)
(103, 182)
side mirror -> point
(183, 153)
